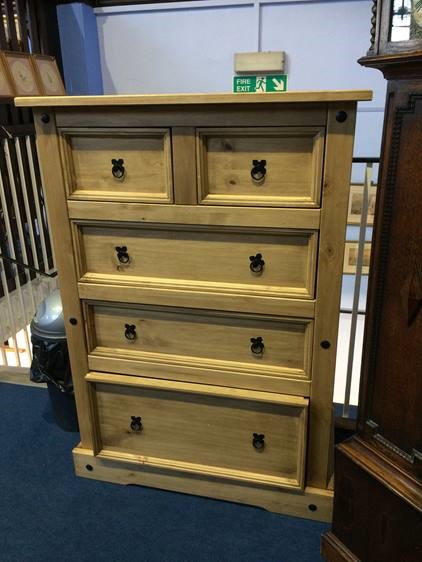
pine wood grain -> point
(307, 219)
(201, 389)
(184, 170)
(112, 361)
(195, 115)
(49, 153)
(202, 338)
(114, 288)
(293, 159)
(212, 259)
(146, 155)
(337, 169)
(127, 470)
(201, 433)
(191, 99)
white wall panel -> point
(178, 50)
(323, 41)
(368, 133)
(190, 47)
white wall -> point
(189, 47)
(173, 51)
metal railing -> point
(356, 312)
(27, 273)
(25, 250)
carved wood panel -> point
(393, 393)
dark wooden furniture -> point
(378, 492)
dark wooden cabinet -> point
(378, 490)
(391, 386)
(375, 519)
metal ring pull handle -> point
(136, 423)
(118, 170)
(258, 442)
(257, 346)
(130, 332)
(122, 254)
(258, 170)
(257, 263)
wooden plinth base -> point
(377, 508)
(334, 550)
(313, 503)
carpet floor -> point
(49, 515)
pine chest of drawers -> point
(199, 241)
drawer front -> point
(118, 164)
(270, 346)
(249, 439)
(277, 166)
(214, 259)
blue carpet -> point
(47, 514)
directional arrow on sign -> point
(278, 85)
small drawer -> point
(248, 344)
(270, 263)
(268, 166)
(118, 164)
(252, 436)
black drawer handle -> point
(122, 254)
(118, 170)
(258, 441)
(136, 423)
(257, 346)
(258, 170)
(257, 263)
(130, 332)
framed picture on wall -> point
(22, 73)
(351, 258)
(6, 88)
(356, 203)
(49, 75)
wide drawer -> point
(249, 344)
(248, 435)
(118, 164)
(271, 263)
(267, 166)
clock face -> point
(406, 20)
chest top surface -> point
(196, 99)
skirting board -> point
(18, 375)
(312, 504)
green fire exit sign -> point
(266, 83)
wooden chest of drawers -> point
(199, 241)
